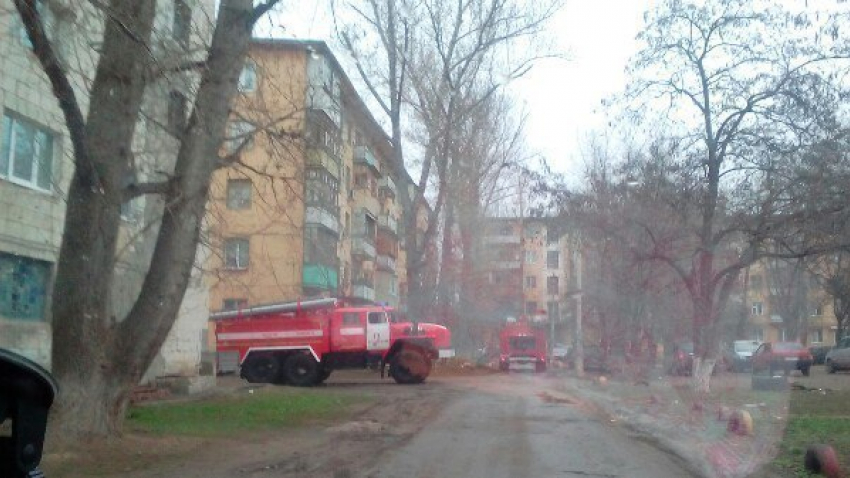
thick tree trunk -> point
(97, 358)
(84, 330)
(702, 374)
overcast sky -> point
(562, 97)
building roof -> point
(320, 46)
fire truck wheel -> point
(301, 370)
(323, 375)
(410, 366)
(261, 368)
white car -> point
(839, 357)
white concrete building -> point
(36, 168)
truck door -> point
(348, 331)
(377, 331)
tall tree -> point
(430, 54)
(742, 82)
(98, 358)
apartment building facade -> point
(768, 285)
(529, 263)
(36, 168)
(309, 209)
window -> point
(182, 23)
(47, 19)
(377, 318)
(237, 133)
(530, 282)
(552, 236)
(816, 336)
(531, 307)
(393, 287)
(759, 334)
(236, 253)
(505, 231)
(553, 259)
(177, 111)
(235, 304)
(351, 318)
(552, 285)
(361, 180)
(23, 287)
(248, 77)
(817, 311)
(530, 257)
(26, 153)
(757, 308)
(239, 193)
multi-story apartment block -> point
(764, 292)
(309, 208)
(36, 169)
(529, 263)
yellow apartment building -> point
(308, 207)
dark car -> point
(782, 356)
(595, 359)
(819, 353)
(738, 356)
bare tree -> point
(744, 82)
(98, 358)
(431, 54)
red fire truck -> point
(522, 347)
(301, 343)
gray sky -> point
(563, 98)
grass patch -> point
(265, 409)
(815, 418)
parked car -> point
(595, 359)
(839, 357)
(560, 352)
(738, 356)
(785, 356)
(819, 353)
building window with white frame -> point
(236, 253)
(530, 282)
(239, 193)
(26, 153)
(248, 77)
(816, 336)
(758, 308)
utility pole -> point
(579, 334)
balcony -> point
(365, 200)
(386, 263)
(502, 240)
(362, 246)
(323, 217)
(320, 276)
(362, 155)
(317, 157)
(388, 223)
(386, 183)
(363, 292)
(504, 265)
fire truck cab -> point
(301, 343)
(522, 347)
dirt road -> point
(485, 426)
(515, 426)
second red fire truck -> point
(301, 343)
(522, 347)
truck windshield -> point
(523, 343)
